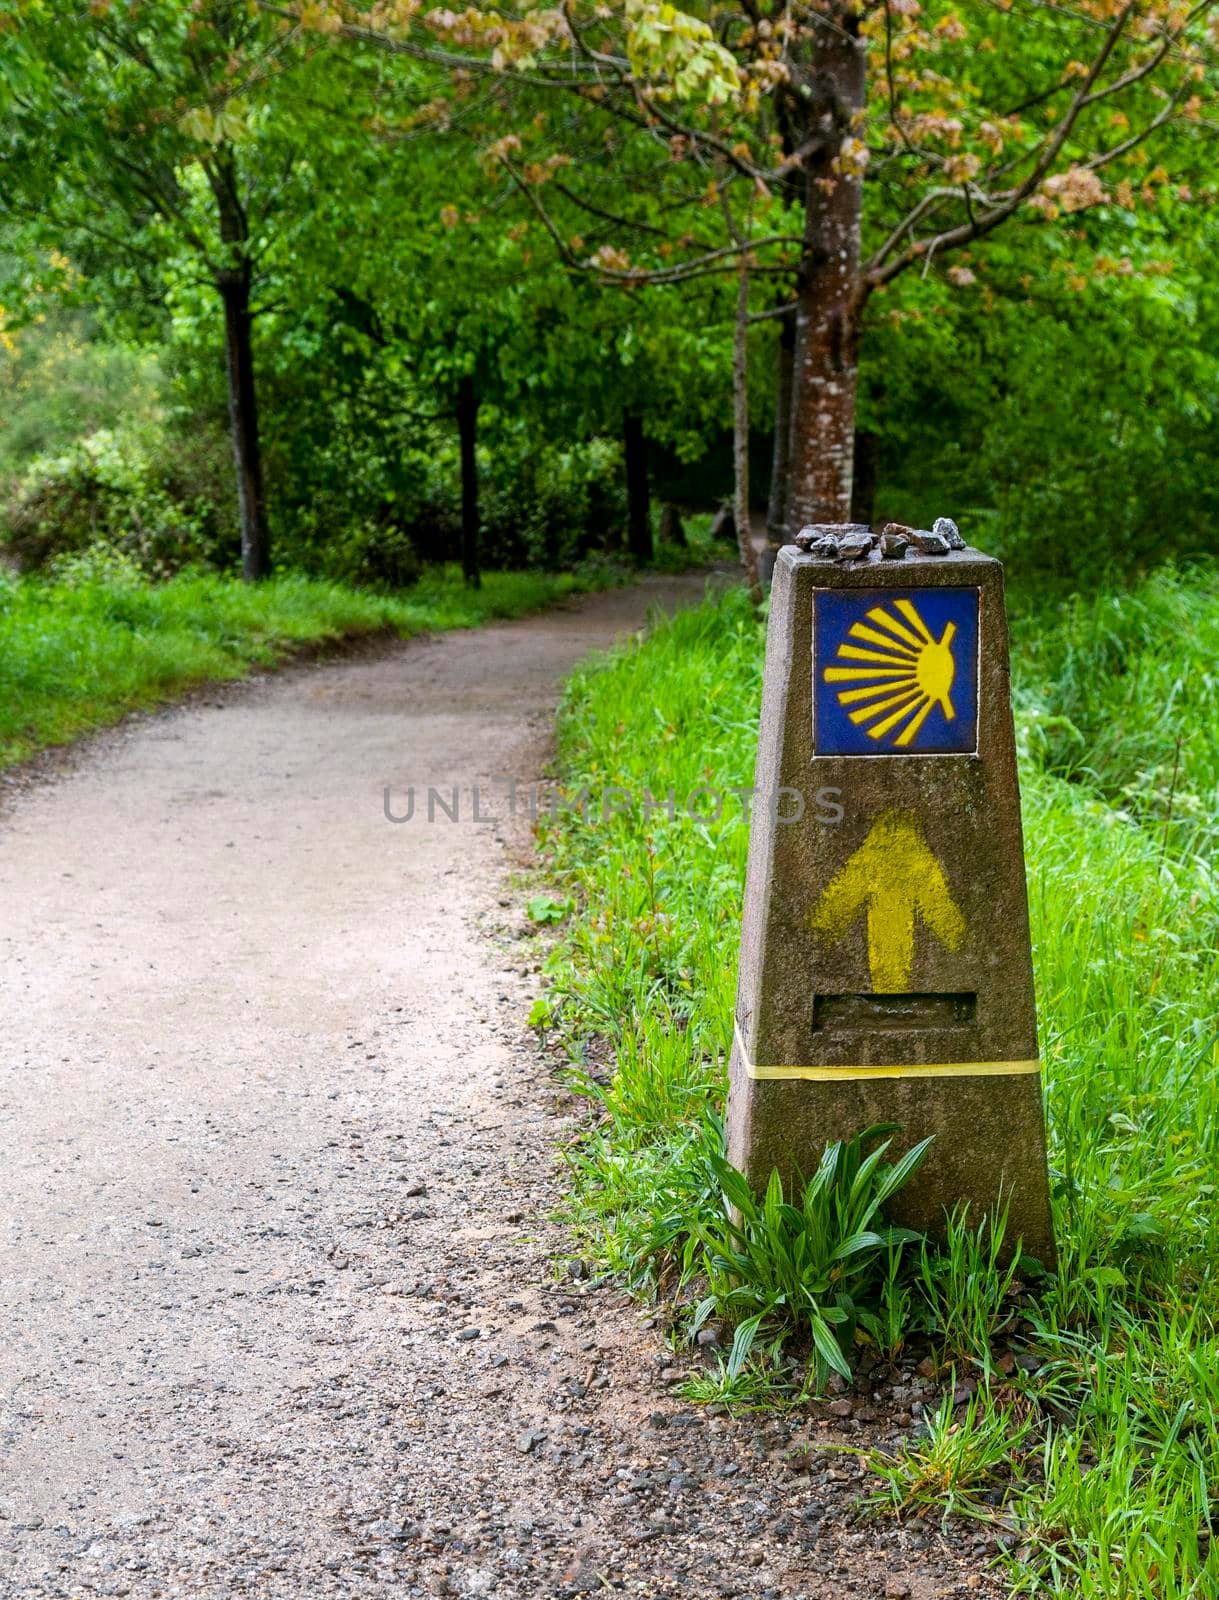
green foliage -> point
(98, 566)
(545, 908)
(381, 555)
(130, 489)
(1053, 408)
(361, 493)
(815, 1260)
(1095, 661)
(354, 479)
(675, 46)
(551, 506)
(60, 380)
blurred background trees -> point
(354, 291)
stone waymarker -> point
(885, 967)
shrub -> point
(382, 555)
(361, 493)
(815, 1262)
(66, 378)
(98, 565)
(551, 507)
(132, 490)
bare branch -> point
(705, 265)
(788, 310)
(605, 216)
(1157, 121)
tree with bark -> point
(487, 327)
(140, 137)
(450, 305)
(638, 497)
(874, 136)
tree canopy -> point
(376, 239)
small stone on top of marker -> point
(947, 529)
(856, 543)
(819, 539)
(928, 543)
(893, 545)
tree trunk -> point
(863, 486)
(672, 529)
(723, 524)
(234, 281)
(243, 425)
(639, 520)
(467, 427)
(827, 321)
(740, 439)
(776, 512)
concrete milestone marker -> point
(886, 973)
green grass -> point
(1118, 727)
(77, 654)
(956, 1460)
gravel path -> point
(280, 1316)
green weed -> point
(966, 1288)
(965, 1463)
(545, 908)
(749, 1384)
(816, 1260)
(890, 1324)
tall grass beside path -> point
(78, 653)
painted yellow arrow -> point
(897, 877)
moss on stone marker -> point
(886, 971)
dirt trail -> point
(278, 1311)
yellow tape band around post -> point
(937, 1069)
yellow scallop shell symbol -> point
(902, 671)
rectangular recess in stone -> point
(895, 1013)
(895, 673)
